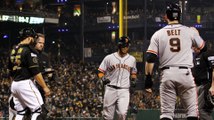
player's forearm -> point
(148, 76)
(40, 80)
(149, 68)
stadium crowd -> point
(76, 91)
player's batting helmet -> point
(124, 41)
(173, 11)
(27, 32)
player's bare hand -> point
(47, 91)
(149, 90)
(211, 90)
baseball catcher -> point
(204, 78)
(23, 66)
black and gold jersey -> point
(23, 63)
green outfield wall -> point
(155, 114)
(140, 115)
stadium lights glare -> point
(5, 36)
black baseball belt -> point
(180, 67)
(116, 87)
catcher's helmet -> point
(27, 32)
(173, 11)
(124, 41)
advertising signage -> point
(22, 19)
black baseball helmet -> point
(173, 11)
(27, 32)
(124, 41)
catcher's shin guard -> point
(41, 113)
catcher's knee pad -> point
(19, 117)
(42, 112)
(23, 112)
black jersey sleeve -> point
(32, 62)
(151, 58)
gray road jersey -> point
(173, 45)
(118, 69)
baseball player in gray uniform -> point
(115, 71)
(172, 46)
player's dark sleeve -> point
(151, 58)
(32, 62)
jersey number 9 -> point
(175, 44)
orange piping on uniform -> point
(202, 45)
(101, 70)
(151, 51)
